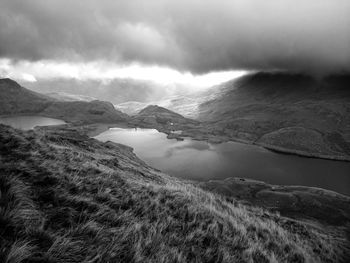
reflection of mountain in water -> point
(188, 144)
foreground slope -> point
(17, 100)
(68, 198)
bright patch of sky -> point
(105, 71)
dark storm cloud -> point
(195, 35)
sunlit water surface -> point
(200, 160)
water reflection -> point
(203, 161)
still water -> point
(200, 160)
(29, 122)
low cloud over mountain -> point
(189, 35)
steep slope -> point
(16, 100)
(286, 112)
(69, 198)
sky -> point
(195, 42)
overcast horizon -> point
(186, 42)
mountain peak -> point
(9, 82)
(156, 109)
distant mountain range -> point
(115, 91)
(186, 105)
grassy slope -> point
(68, 198)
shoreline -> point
(217, 140)
(273, 187)
(94, 129)
(287, 151)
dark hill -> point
(16, 100)
(286, 112)
(154, 113)
(164, 120)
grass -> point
(67, 198)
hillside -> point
(186, 105)
(131, 107)
(16, 100)
(285, 112)
(154, 113)
(68, 198)
(164, 120)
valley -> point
(253, 109)
(175, 131)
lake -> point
(29, 122)
(198, 160)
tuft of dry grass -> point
(18, 252)
(74, 199)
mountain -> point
(285, 112)
(131, 107)
(16, 100)
(164, 120)
(85, 112)
(154, 113)
(186, 105)
(115, 91)
(66, 197)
